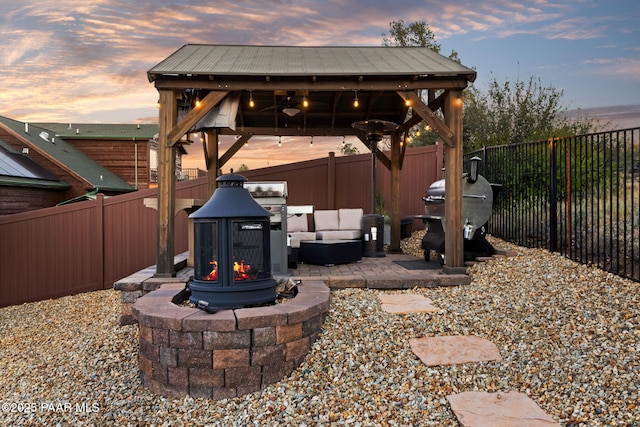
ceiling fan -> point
(288, 103)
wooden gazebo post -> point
(453, 243)
(451, 133)
(166, 184)
(396, 166)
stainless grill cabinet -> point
(272, 196)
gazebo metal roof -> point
(236, 60)
(329, 78)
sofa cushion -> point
(326, 220)
(297, 223)
(350, 219)
(300, 236)
(338, 235)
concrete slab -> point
(453, 350)
(406, 303)
(482, 409)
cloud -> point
(75, 59)
(624, 67)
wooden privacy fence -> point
(89, 245)
(345, 182)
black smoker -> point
(232, 258)
(477, 203)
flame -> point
(241, 271)
(214, 272)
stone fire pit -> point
(186, 351)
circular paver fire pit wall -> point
(186, 351)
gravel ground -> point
(569, 336)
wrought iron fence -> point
(577, 195)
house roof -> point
(66, 156)
(19, 170)
(101, 130)
(198, 59)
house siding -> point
(119, 156)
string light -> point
(311, 142)
(407, 102)
(344, 142)
(305, 101)
(280, 141)
(356, 102)
(251, 101)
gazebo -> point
(308, 91)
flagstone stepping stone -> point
(482, 409)
(453, 350)
(406, 303)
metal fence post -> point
(553, 199)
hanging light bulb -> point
(344, 142)
(251, 101)
(311, 142)
(407, 102)
(356, 102)
(280, 141)
(305, 101)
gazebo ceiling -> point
(330, 79)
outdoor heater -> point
(373, 224)
(232, 258)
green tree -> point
(243, 168)
(416, 33)
(519, 111)
(348, 149)
(508, 112)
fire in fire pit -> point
(232, 258)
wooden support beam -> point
(208, 102)
(396, 160)
(337, 84)
(379, 154)
(331, 181)
(454, 244)
(166, 185)
(211, 159)
(231, 151)
(434, 105)
(428, 116)
(290, 131)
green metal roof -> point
(74, 160)
(198, 59)
(101, 130)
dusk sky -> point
(85, 61)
